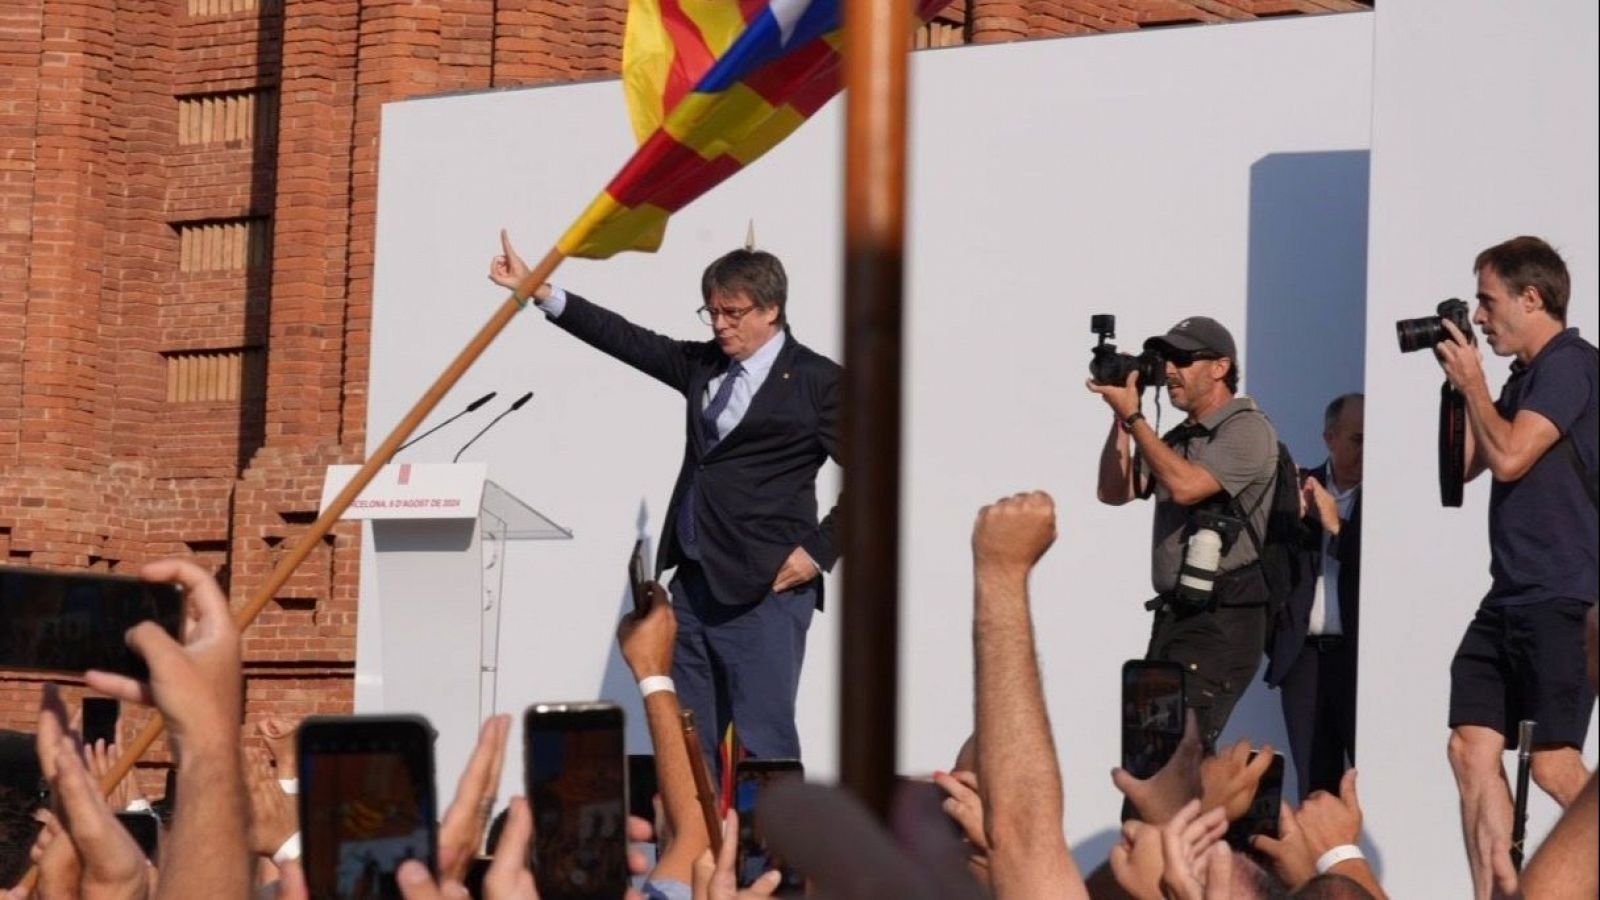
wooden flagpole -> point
(877, 40)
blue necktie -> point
(688, 539)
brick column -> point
(66, 255)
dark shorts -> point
(1524, 662)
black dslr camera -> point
(1428, 331)
(1107, 366)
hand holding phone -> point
(1153, 715)
(751, 777)
(76, 621)
(646, 641)
(100, 719)
(639, 578)
(366, 802)
(1261, 816)
(576, 780)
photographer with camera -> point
(1522, 656)
(1212, 478)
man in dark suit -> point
(1313, 652)
(742, 530)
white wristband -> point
(289, 852)
(655, 683)
(1338, 855)
(291, 786)
(137, 804)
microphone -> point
(520, 402)
(471, 407)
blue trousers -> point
(740, 664)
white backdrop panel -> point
(1151, 175)
(1463, 156)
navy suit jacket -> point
(758, 485)
(1289, 637)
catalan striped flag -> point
(781, 66)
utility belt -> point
(1242, 588)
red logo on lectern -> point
(405, 473)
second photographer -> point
(1212, 478)
(1522, 657)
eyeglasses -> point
(709, 314)
(1185, 360)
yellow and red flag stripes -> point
(783, 67)
(668, 45)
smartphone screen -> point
(100, 719)
(145, 829)
(1262, 817)
(366, 802)
(639, 577)
(75, 621)
(750, 778)
(576, 779)
(642, 787)
(1152, 715)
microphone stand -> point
(471, 407)
(1519, 819)
(493, 422)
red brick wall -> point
(101, 175)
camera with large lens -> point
(1428, 331)
(1108, 366)
(1211, 535)
(1425, 333)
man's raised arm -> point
(1028, 853)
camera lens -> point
(1419, 334)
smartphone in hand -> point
(100, 719)
(75, 621)
(367, 802)
(1153, 714)
(1262, 817)
(751, 777)
(639, 578)
(575, 772)
(145, 829)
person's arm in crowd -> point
(83, 850)
(1508, 448)
(1324, 822)
(1567, 864)
(465, 820)
(1229, 780)
(196, 686)
(1158, 798)
(1187, 481)
(646, 645)
(1023, 804)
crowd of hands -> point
(997, 830)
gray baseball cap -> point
(1196, 334)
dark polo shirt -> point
(1544, 534)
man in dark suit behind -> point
(1313, 652)
(742, 527)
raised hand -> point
(464, 822)
(1158, 798)
(1011, 535)
(1229, 779)
(1196, 864)
(646, 642)
(1290, 856)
